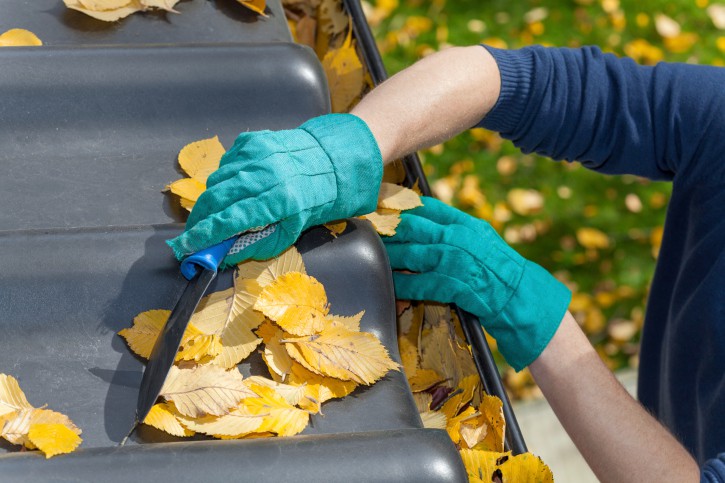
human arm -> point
(618, 438)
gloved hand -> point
(460, 259)
(327, 169)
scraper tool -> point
(200, 269)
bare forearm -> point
(618, 438)
(431, 101)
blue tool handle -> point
(209, 258)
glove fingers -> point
(416, 229)
(240, 217)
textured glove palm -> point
(327, 169)
(460, 259)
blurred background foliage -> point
(597, 233)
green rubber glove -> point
(327, 169)
(460, 259)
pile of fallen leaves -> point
(34, 428)
(276, 308)
(448, 393)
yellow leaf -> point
(106, 10)
(394, 172)
(592, 238)
(409, 323)
(424, 379)
(204, 390)
(395, 197)
(337, 229)
(19, 38)
(147, 326)
(350, 323)
(161, 417)
(345, 75)
(186, 203)
(292, 394)
(480, 464)
(523, 468)
(267, 271)
(423, 401)
(330, 388)
(277, 359)
(384, 221)
(234, 425)
(279, 416)
(256, 6)
(296, 302)
(188, 189)
(453, 425)
(716, 12)
(491, 410)
(12, 397)
(268, 330)
(16, 429)
(200, 159)
(53, 439)
(228, 315)
(340, 353)
(433, 419)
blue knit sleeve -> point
(613, 115)
(714, 470)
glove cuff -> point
(355, 158)
(529, 320)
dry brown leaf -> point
(441, 352)
(19, 38)
(204, 390)
(296, 302)
(384, 221)
(395, 197)
(343, 354)
(267, 271)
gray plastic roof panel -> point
(198, 22)
(90, 136)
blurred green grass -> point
(477, 171)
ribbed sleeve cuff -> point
(517, 71)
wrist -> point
(531, 316)
(354, 158)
